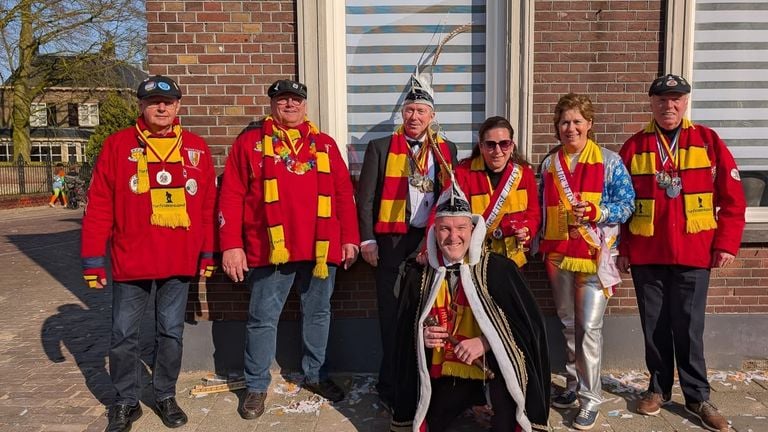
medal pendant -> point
(673, 191)
(497, 234)
(164, 178)
(427, 185)
(663, 179)
(416, 180)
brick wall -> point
(609, 50)
(225, 54)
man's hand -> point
(434, 336)
(95, 277)
(721, 258)
(349, 254)
(622, 263)
(370, 252)
(469, 350)
(234, 264)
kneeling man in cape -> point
(469, 333)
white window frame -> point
(322, 65)
(679, 60)
(38, 114)
(88, 114)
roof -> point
(84, 71)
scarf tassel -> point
(581, 265)
(695, 225)
(321, 255)
(278, 254)
(171, 220)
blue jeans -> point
(269, 289)
(129, 300)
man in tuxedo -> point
(401, 178)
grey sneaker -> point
(710, 417)
(585, 420)
(566, 399)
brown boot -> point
(650, 403)
(710, 417)
(253, 405)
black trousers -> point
(393, 250)
(672, 300)
(452, 396)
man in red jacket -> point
(287, 213)
(152, 196)
(689, 217)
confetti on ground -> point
(273, 424)
(24, 412)
(627, 416)
(361, 386)
(614, 413)
(204, 410)
(306, 406)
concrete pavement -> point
(54, 335)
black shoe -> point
(327, 389)
(253, 405)
(121, 416)
(170, 413)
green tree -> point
(115, 113)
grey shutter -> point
(730, 76)
(385, 42)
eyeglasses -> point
(503, 144)
(295, 100)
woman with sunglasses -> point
(501, 186)
(586, 194)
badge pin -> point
(191, 186)
(133, 183)
(164, 178)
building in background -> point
(64, 115)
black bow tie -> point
(413, 142)
(453, 267)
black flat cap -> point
(284, 86)
(158, 85)
(669, 83)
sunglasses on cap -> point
(503, 144)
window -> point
(88, 114)
(43, 152)
(38, 115)
(724, 55)
(361, 56)
(72, 115)
(6, 152)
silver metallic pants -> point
(580, 304)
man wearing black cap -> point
(689, 218)
(152, 196)
(400, 180)
(286, 216)
(468, 323)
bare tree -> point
(86, 36)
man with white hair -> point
(476, 324)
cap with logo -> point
(669, 83)
(281, 87)
(158, 85)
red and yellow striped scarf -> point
(695, 171)
(454, 314)
(272, 135)
(588, 177)
(394, 192)
(481, 193)
(162, 153)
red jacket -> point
(242, 218)
(140, 250)
(670, 244)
